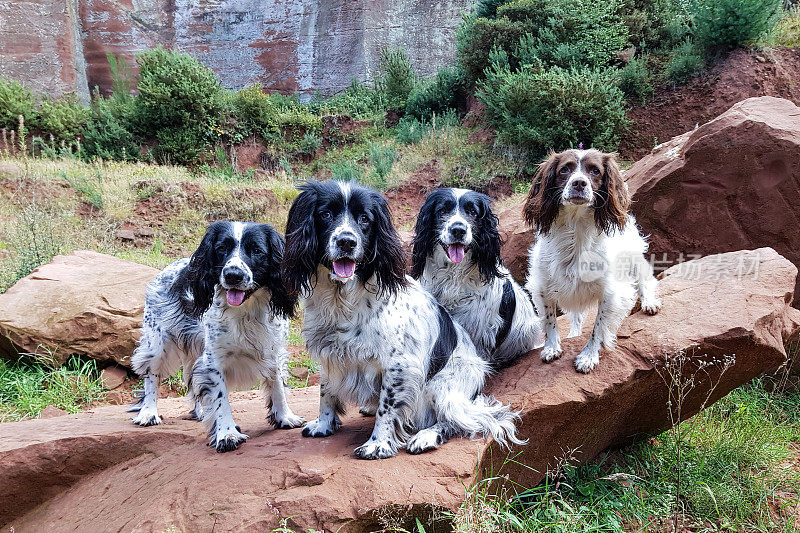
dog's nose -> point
(346, 242)
(233, 276)
(579, 184)
(458, 231)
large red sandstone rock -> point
(731, 184)
(82, 303)
(97, 472)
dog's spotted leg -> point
(552, 343)
(212, 392)
(328, 421)
(280, 415)
(576, 320)
(148, 413)
(398, 391)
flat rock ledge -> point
(96, 471)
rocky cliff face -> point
(57, 46)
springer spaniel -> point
(457, 259)
(588, 250)
(223, 316)
(381, 339)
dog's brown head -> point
(578, 178)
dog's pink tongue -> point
(456, 252)
(344, 268)
(234, 296)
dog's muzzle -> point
(345, 247)
(237, 285)
(455, 244)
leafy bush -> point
(721, 24)
(410, 130)
(477, 37)
(635, 80)
(358, 101)
(346, 170)
(254, 112)
(382, 158)
(541, 109)
(396, 78)
(64, 118)
(180, 103)
(15, 100)
(310, 143)
(446, 90)
(655, 25)
(684, 62)
(108, 134)
(487, 8)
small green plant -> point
(443, 92)
(787, 31)
(396, 78)
(310, 143)
(33, 241)
(382, 159)
(345, 170)
(254, 111)
(64, 118)
(725, 24)
(410, 130)
(90, 188)
(684, 62)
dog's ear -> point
(281, 302)
(424, 235)
(613, 201)
(486, 252)
(201, 273)
(541, 206)
(389, 258)
(300, 258)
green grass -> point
(734, 470)
(29, 385)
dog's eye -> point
(363, 219)
(471, 211)
(595, 171)
(564, 170)
(325, 215)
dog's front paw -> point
(550, 353)
(375, 450)
(147, 417)
(651, 306)
(228, 440)
(286, 421)
(424, 440)
(317, 429)
(587, 360)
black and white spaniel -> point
(457, 259)
(588, 250)
(222, 315)
(382, 340)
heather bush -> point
(446, 90)
(635, 80)
(15, 100)
(64, 118)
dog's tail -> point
(483, 416)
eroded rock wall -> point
(286, 45)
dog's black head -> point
(461, 223)
(587, 180)
(346, 228)
(241, 257)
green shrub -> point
(345, 170)
(310, 143)
(446, 90)
(787, 32)
(64, 118)
(254, 111)
(410, 130)
(684, 62)
(180, 103)
(382, 158)
(655, 25)
(358, 101)
(635, 80)
(722, 24)
(476, 38)
(15, 100)
(108, 134)
(487, 8)
(396, 78)
(541, 109)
